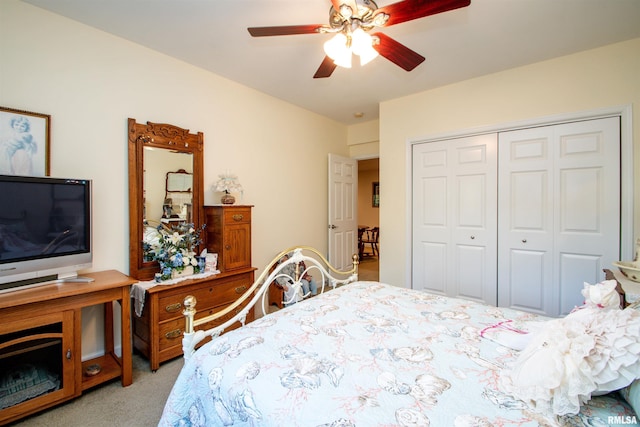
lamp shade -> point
(367, 55)
(360, 41)
(336, 49)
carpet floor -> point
(110, 404)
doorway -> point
(369, 216)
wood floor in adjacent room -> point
(369, 269)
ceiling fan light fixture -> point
(336, 48)
(368, 55)
(360, 41)
(344, 60)
(362, 45)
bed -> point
(372, 354)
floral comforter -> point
(366, 354)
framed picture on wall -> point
(375, 195)
(24, 142)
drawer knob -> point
(171, 335)
(172, 308)
(237, 217)
(241, 289)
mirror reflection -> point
(168, 196)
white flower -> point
(228, 183)
(176, 238)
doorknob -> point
(331, 226)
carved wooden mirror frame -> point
(157, 136)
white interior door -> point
(343, 210)
(559, 207)
(455, 218)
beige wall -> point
(591, 80)
(364, 140)
(90, 82)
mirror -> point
(165, 186)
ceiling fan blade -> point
(325, 69)
(285, 30)
(408, 10)
(397, 53)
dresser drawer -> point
(171, 332)
(211, 293)
(236, 216)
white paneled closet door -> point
(559, 212)
(454, 217)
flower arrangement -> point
(175, 250)
(228, 183)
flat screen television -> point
(45, 230)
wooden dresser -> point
(229, 235)
(157, 333)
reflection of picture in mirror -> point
(179, 181)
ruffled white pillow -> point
(590, 351)
(603, 294)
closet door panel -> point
(529, 191)
(559, 197)
(473, 205)
(432, 224)
(454, 195)
(587, 212)
(434, 265)
(528, 278)
(525, 231)
(473, 266)
(574, 267)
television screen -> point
(45, 225)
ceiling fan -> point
(352, 20)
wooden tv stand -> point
(41, 331)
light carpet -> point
(110, 404)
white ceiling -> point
(485, 37)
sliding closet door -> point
(454, 217)
(559, 212)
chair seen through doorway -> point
(370, 238)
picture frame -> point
(375, 195)
(24, 142)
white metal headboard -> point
(327, 276)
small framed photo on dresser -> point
(24, 142)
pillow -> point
(602, 295)
(590, 351)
